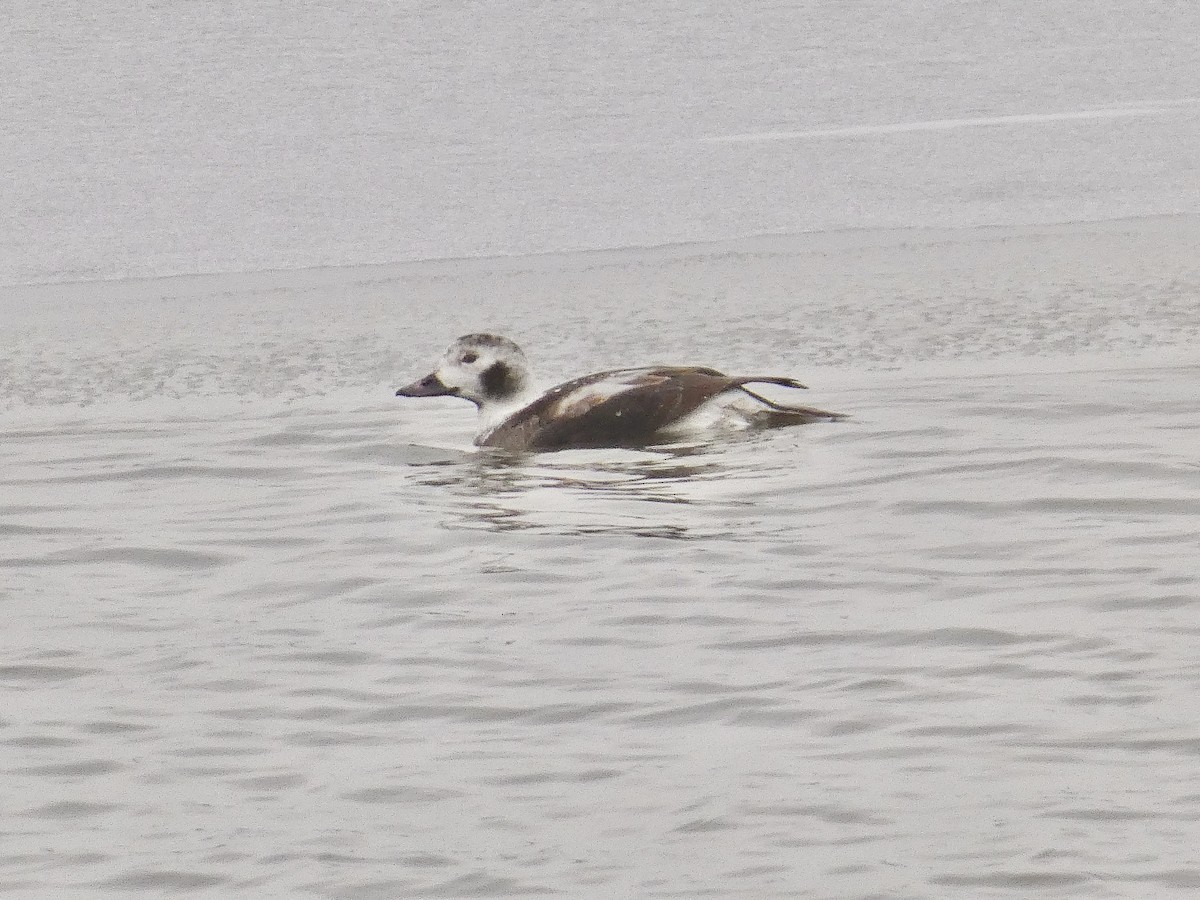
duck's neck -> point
(494, 412)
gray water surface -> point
(945, 648)
(178, 137)
(271, 631)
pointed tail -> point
(788, 414)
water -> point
(949, 648)
(176, 137)
(272, 632)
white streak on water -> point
(939, 125)
(246, 136)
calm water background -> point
(271, 632)
(174, 137)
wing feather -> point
(617, 408)
(630, 407)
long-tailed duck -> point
(620, 408)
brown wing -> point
(625, 407)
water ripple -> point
(930, 653)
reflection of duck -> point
(623, 407)
(661, 492)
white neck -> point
(495, 412)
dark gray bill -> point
(429, 386)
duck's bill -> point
(429, 386)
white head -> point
(486, 369)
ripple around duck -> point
(174, 473)
(1016, 880)
(142, 557)
(13, 529)
(84, 768)
(71, 810)
(934, 637)
(169, 881)
(37, 673)
(1149, 507)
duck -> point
(617, 408)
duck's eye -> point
(469, 357)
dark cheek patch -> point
(497, 380)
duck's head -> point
(484, 368)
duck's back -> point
(624, 407)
